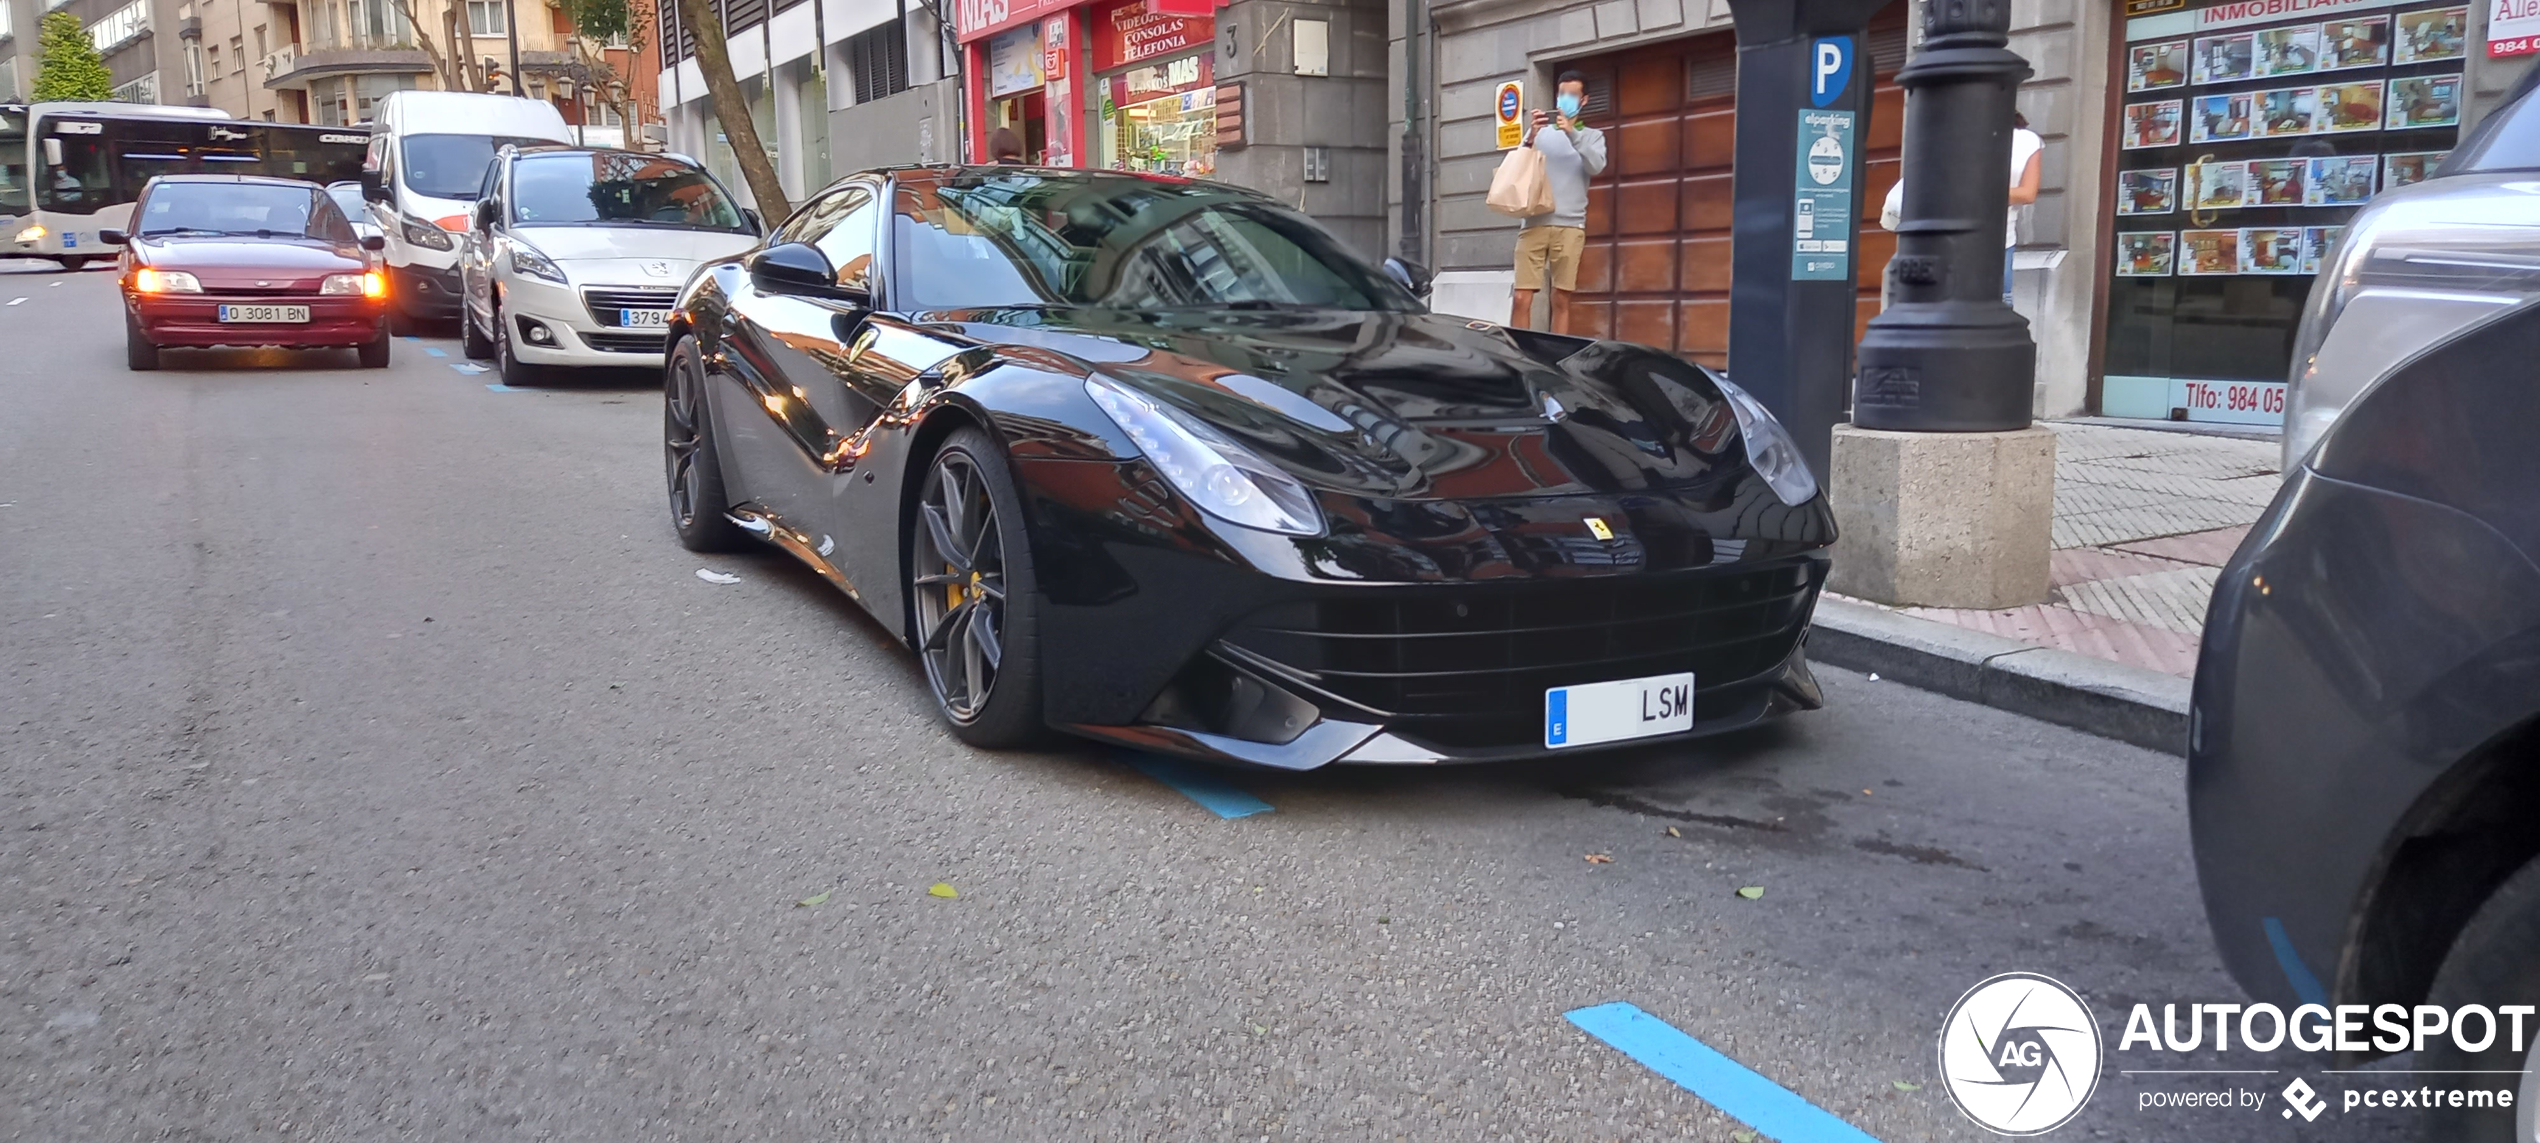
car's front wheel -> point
(972, 596)
(697, 499)
(516, 373)
(375, 351)
(2492, 965)
(139, 354)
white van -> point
(428, 154)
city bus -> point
(68, 170)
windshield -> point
(262, 210)
(13, 193)
(2508, 140)
(617, 189)
(453, 166)
(1121, 242)
(348, 198)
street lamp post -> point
(1943, 491)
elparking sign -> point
(1821, 220)
(1510, 111)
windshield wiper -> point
(182, 231)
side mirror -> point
(485, 212)
(374, 189)
(113, 237)
(1413, 276)
(793, 268)
(374, 243)
(758, 225)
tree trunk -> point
(732, 110)
(431, 55)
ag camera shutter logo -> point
(2019, 1054)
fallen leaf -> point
(1865, 792)
(1600, 859)
(1751, 892)
(946, 891)
(1674, 832)
(1384, 920)
(1744, 1137)
(819, 898)
(712, 576)
(1901, 1085)
(1258, 1030)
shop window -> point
(2245, 144)
(877, 61)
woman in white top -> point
(2025, 146)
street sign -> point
(1821, 227)
(1510, 111)
(1829, 70)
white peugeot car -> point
(574, 255)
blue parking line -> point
(499, 387)
(2306, 985)
(434, 352)
(1199, 785)
(1771, 1109)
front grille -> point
(1468, 666)
(625, 342)
(604, 302)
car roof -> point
(939, 173)
(570, 149)
(252, 180)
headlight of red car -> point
(148, 281)
(368, 285)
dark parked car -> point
(242, 260)
(2364, 755)
(1160, 462)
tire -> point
(972, 596)
(375, 351)
(695, 468)
(2492, 964)
(73, 262)
(516, 373)
(139, 354)
(401, 323)
(476, 345)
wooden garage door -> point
(1656, 269)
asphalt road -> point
(373, 765)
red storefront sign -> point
(975, 18)
(1127, 31)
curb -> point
(2130, 704)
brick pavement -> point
(2143, 519)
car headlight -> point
(1224, 478)
(149, 281)
(1769, 447)
(535, 264)
(2403, 280)
(368, 284)
(424, 234)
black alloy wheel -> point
(473, 341)
(697, 499)
(971, 594)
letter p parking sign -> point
(1829, 70)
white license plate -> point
(644, 319)
(1591, 713)
(264, 313)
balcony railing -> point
(280, 60)
(332, 41)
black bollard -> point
(1949, 355)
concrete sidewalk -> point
(2143, 521)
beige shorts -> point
(1553, 249)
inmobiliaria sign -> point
(1131, 32)
(2513, 27)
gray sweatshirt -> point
(1570, 158)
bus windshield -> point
(13, 195)
(453, 166)
(85, 163)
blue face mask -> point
(1569, 105)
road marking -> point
(499, 387)
(2306, 986)
(468, 367)
(1199, 785)
(17, 301)
(434, 352)
(1768, 1107)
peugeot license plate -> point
(644, 319)
(1617, 711)
(264, 313)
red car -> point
(242, 260)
